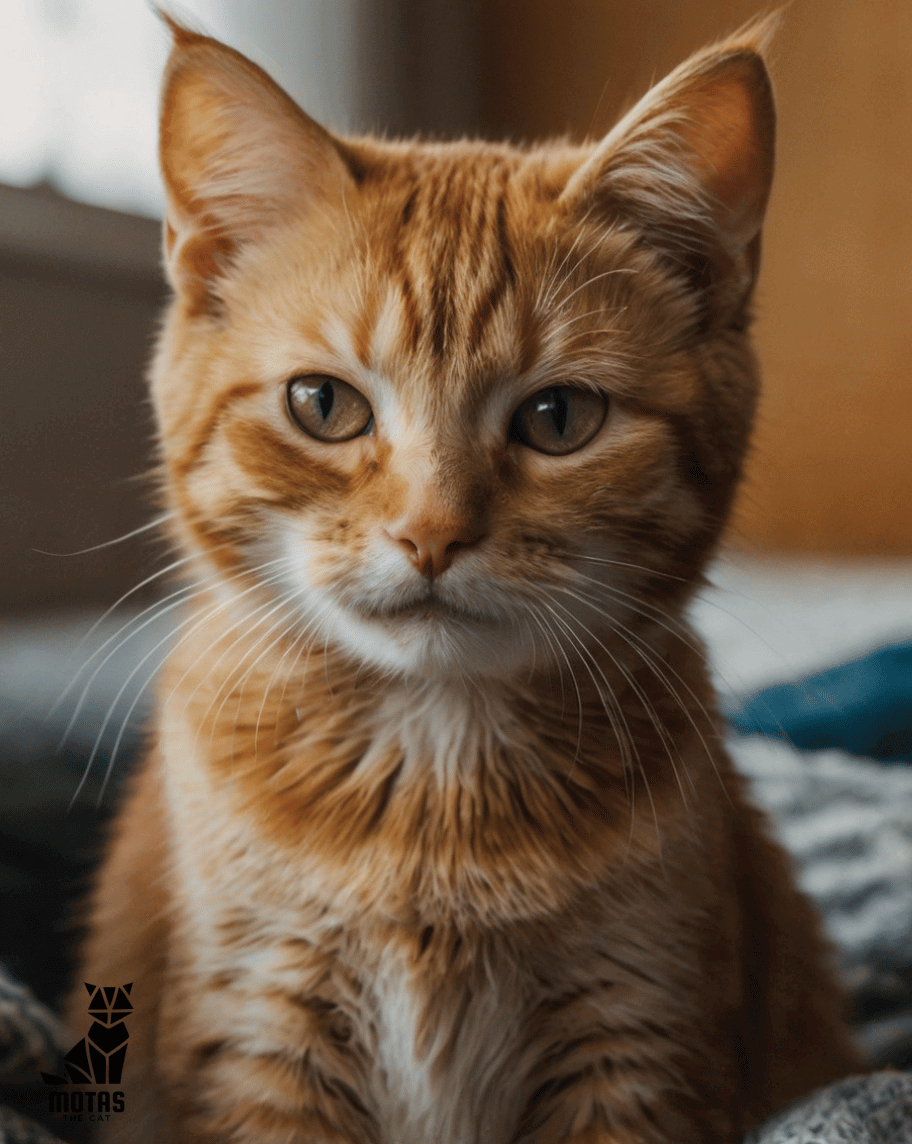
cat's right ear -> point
(692, 164)
(237, 156)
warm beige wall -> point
(834, 446)
(832, 464)
(80, 293)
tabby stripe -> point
(503, 237)
(201, 439)
(713, 494)
(478, 243)
(293, 477)
(223, 543)
(363, 327)
(485, 309)
(442, 289)
(504, 278)
(411, 319)
(409, 209)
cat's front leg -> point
(281, 1070)
(249, 1106)
(610, 1102)
(644, 1127)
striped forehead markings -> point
(452, 259)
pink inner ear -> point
(697, 149)
(733, 149)
(238, 156)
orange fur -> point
(438, 840)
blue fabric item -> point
(863, 707)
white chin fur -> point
(437, 647)
(421, 645)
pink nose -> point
(433, 549)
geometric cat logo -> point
(99, 1057)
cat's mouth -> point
(428, 608)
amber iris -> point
(559, 420)
(327, 408)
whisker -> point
(639, 645)
(680, 629)
(126, 719)
(117, 698)
(239, 623)
(624, 744)
(554, 331)
(291, 649)
(595, 278)
(625, 564)
(156, 522)
(232, 681)
(554, 286)
(596, 240)
(648, 707)
(136, 588)
(677, 628)
(617, 718)
(546, 628)
(158, 610)
(650, 662)
(614, 709)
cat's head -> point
(458, 408)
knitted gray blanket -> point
(875, 1109)
(848, 824)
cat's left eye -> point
(327, 408)
(559, 420)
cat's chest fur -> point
(392, 947)
(418, 1050)
(423, 801)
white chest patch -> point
(451, 1063)
(445, 729)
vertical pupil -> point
(558, 411)
(325, 398)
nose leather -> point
(432, 547)
(438, 523)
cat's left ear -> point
(692, 164)
(238, 157)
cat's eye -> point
(327, 408)
(559, 420)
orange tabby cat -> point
(438, 842)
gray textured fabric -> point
(16, 1129)
(874, 1109)
(848, 823)
(30, 1034)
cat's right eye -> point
(327, 408)
(559, 420)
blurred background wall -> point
(80, 285)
